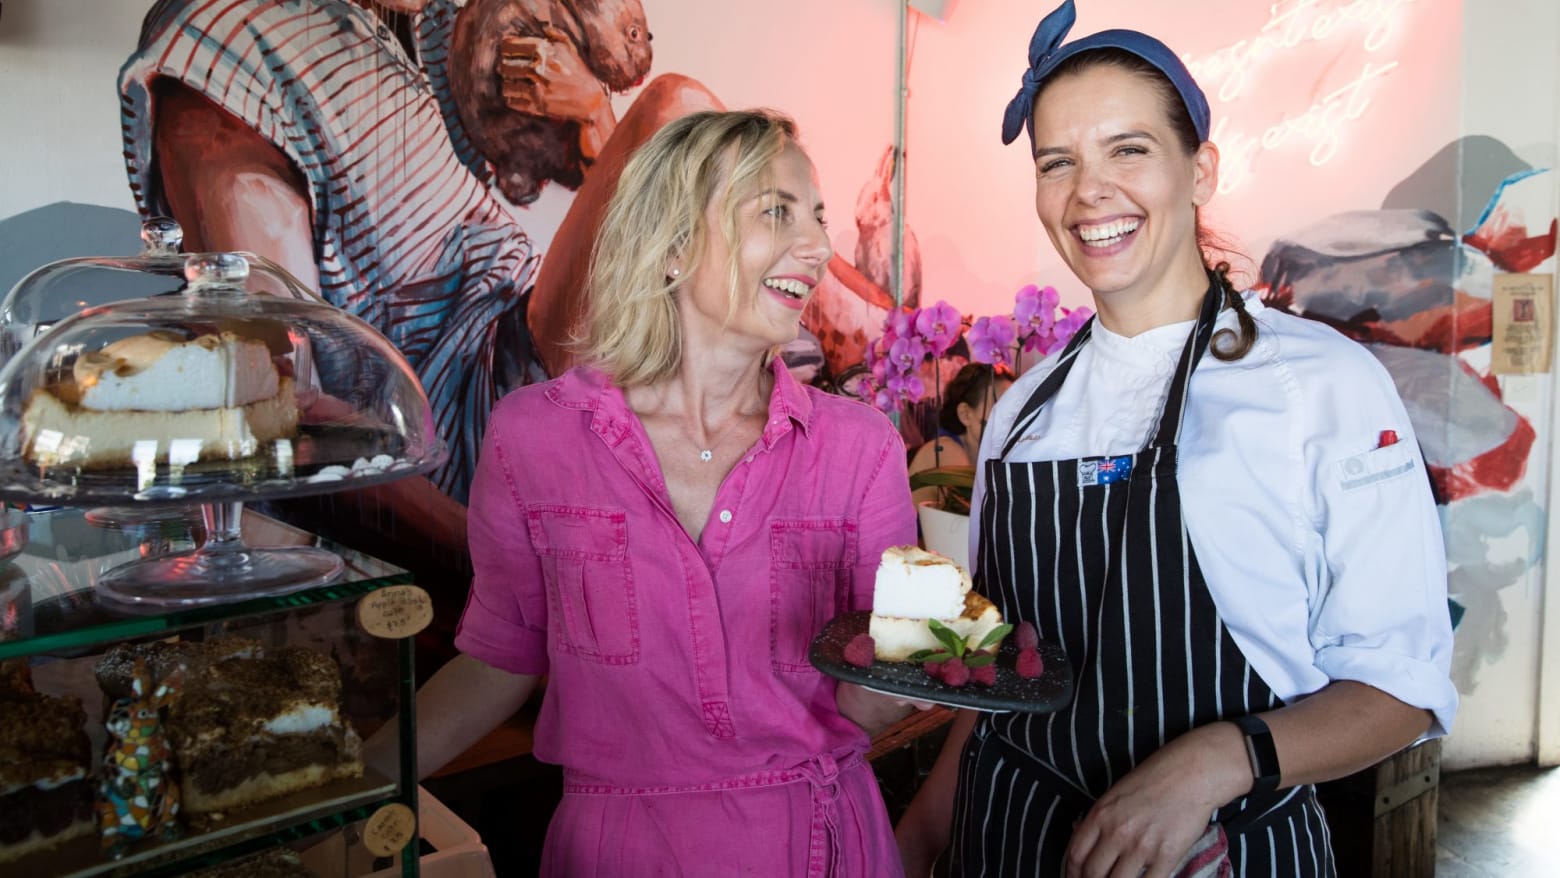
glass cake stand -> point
(49, 294)
(220, 394)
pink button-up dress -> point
(695, 737)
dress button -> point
(725, 516)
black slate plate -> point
(1047, 693)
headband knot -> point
(1046, 40)
(1046, 53)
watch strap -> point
(1265, 771)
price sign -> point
(1523, 332)
(396, 611)
(388, 831)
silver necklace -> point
(708, 454)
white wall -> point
(1511, 91)
(59, 62)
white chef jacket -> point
(1321, 545)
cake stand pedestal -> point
(222, 570)
(122, 517)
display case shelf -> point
(52, 622)
(65, 554)
(279, 821)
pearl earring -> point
(676, 272)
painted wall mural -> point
(378, 148)
(1418, 292)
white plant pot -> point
(946, 533)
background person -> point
(961, 421)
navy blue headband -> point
(1046, 52)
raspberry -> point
(933, 669)
(954, 673)
(1029, 665)
(1024, 636)
(986, 675)
(861, 651)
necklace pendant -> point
(706, 455)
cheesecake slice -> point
(214, 397)
(162, 372)
(914, 586)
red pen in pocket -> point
(1387, 437)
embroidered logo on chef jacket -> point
(1103, 471)
(1376, 466)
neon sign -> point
(1292, 26)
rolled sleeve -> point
(887, 516)
(505, 620)
(1382, 618)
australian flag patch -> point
(1103, 470)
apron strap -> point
(1048, 387)
(1169, 431)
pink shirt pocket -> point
(809, 583)
(589, 580)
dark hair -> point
(1228, 345)
(969, 386)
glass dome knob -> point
(211, 272)
(161, 236)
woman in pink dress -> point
(663, 530)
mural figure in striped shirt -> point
(359, 143)
(325, 135)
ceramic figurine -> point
(138, 795)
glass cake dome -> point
(234, 384)
(49, 294)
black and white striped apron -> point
(1095, 553)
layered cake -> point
(250, 724)
(220, 391)
(115, 671)
(46, 788)
(914, 586)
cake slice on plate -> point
(914, 586)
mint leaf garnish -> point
(995, 636)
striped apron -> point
(1095, 553)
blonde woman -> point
(663, 531)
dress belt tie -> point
(823, 853)
(820, 772)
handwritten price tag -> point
(396, 611)
(389, 829)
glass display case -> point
(274, 697)
(185, 683)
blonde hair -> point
(657, 214)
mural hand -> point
(545, 76)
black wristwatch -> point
(1264, 756)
